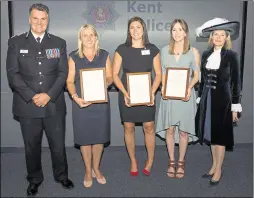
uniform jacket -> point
(225, 86)
(37, 68)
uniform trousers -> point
(32, 131)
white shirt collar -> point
(36, 36)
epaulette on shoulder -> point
(17, 35)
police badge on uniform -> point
(53, 53)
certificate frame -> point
(84, 83)
(181, 72)
(149, 88)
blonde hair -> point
(228, 43)
(80, 44)
(186, 44)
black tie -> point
(38, 39)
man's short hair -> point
(40, 7)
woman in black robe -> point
(219, 92)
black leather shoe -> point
(32, 189)
(66, 183)
(213, 182)
(207, 176)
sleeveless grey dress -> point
(177, 112)
(91, 125)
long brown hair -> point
(186, 44)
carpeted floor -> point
(237, 180)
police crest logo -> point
(53, 53)
(101, 14)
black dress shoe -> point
(213, 182)
(32, 189)
(66, 183)
(207, 176)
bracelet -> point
(72, 96)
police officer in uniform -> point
(37, 69)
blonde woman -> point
(219, 92)
(91, 122)
(176, 121)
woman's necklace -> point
(177, 53)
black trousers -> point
(32, 131)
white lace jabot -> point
(213, 62)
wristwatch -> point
(72, 96)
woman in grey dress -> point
(137, 55)
(91, 122)
(175, 120)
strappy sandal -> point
(171, 174)
(181, 165)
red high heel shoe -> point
(146, 172)
(134, 173)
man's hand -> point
(41, 100)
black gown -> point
(218, 90)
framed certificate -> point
(176, 83)
(93, 85)
(139, 88)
